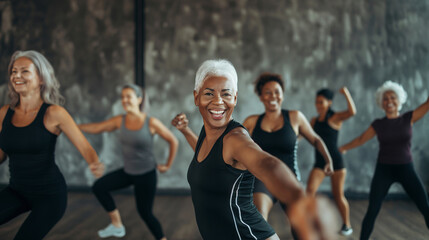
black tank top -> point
(330, 137)
(282, 143)
(31, 155)
(223, 196)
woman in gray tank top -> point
(136, 130)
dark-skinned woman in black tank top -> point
(327, 125)
(29, 127)
(226, 158)
(276, 132)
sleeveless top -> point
(31, 151)
(330, 137)
(282, 143)
(223, 196)
(394, 137)
(137, 146)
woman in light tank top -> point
(276, 131)
(394, 162)
(327, 125)
(136, 131)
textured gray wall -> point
(313, 44)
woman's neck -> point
(391, 115)
(29, 103)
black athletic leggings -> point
(45, 211)
(144, 191)
(384, 176)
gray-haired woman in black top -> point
(29, 127)
(225, 160)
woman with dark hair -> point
(276, 131)
(136, 131)
(225, 163)
(327, 126)
(395, 162)
(29, 127)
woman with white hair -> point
(136, 132)
(394, 163)
(226, 160)
(29, 127)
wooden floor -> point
(398, 219)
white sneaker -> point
(346, 231)
(112, 231)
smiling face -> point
(322, 104)
(24, 77)
(130, 101)
(390, 102)
(216, 101)
(272, 96)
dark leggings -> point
(144, 191)
(45, 212)
(384, 176)
(259, 187)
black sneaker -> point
(346, 231)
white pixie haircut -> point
(218, 68)
(394, 87)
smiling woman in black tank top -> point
(276, 132)
(327, 125)
(29, 127)
(226, 158)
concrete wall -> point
(313, 44)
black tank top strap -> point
(329, 114)
(286, 116)
(41, 114)
(259, 121)
(8, 118)
(231, 125)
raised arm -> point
(181, 123)
(59, 120)
(99, 127)
(420, 111)
(157, 127)
(280, 181)
(366, 136)
(351, 108)
(308, 133)
(277, 177)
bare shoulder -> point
(250, 122)
(55, 109)
(154, 121)
(251, 119)
(295, 115)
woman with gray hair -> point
(227, 160)
(29, 127)
(394, 163)
(136, 131)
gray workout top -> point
(137, 148)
